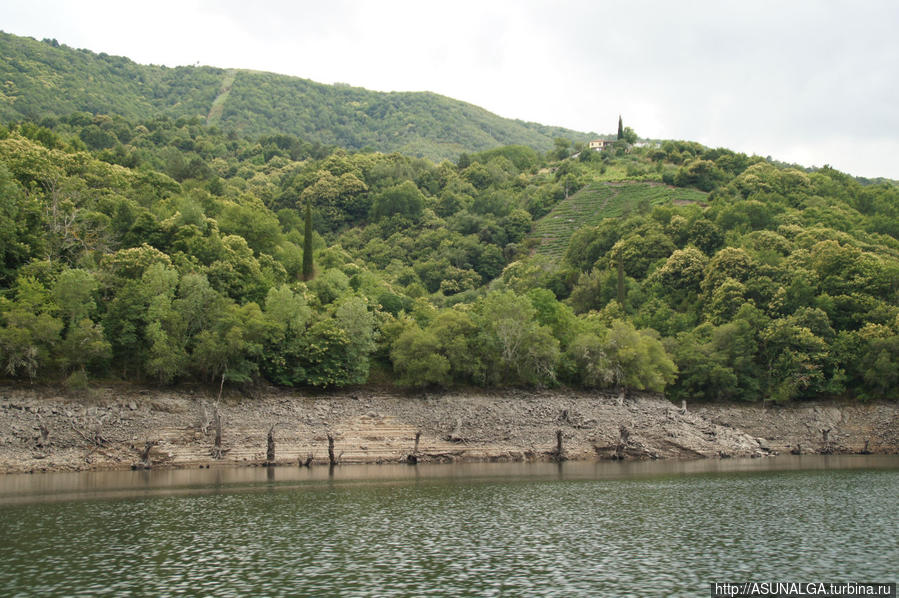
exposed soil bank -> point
(42, 429)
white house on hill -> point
(601, 144)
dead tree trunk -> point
(827, 445)
(456, 434)
(559, 454)
(270, 449)
(332, 460)
(413, 458)
(45, 433)
(145, 454)
(217, 421)
(217, 451)
(623, 435)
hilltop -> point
(48, 79)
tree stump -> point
(413, 458)
(332, 460)
(559, 453)
(270, 449)
(623, 435)
(144, 462)
(217, 451)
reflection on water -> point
(120, 484)
(580, 529)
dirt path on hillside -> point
(218, 104)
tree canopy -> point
(166, 250)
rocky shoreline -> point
(110, 427)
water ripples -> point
(658, 536)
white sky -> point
(812, 81)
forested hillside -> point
(46, 79)
(165, 250)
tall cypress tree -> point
(308, 265)
(620, 128)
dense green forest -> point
(166, 250)
(46, 79)
(201, 224)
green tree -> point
(557, 316)
(629, 135)
(456, 333)
(29, 330)
(20, 223)
(635, 359)
(878, 361)
(404, 199)
(682, 273)
(515, 347)
(308, 264)
(85, 345)
(74, 292)
(325, 360)
(586, 295)
(233, 347)
(417, 360)
(587, 353)
(354, 318)
(166, 328)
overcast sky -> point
(812, 82)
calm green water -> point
(657, 529)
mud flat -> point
(119, 427)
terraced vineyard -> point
(600, 200)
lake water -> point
(579, 529)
